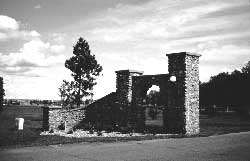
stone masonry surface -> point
(124, 85)
(66, 118)
(192, 94)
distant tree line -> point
(1, 93)
(227, 90)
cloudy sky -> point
(37, 36)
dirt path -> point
(227, 147)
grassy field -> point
(30, 136)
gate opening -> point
(153, 109)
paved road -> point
(227, 147)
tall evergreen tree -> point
(84, 68)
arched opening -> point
(152, 96)
(153, 109)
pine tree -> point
(85, 69)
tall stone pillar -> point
(124, 85)
(184, 66)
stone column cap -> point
(184, 53)
(129, 71)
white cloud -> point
(34, 72)
(20, 35)
(7, 23)
(57, 37)
(38, 65)
(219, 59)
(38, 6)
(33, 54)
(13, 69)
(34, 33)
(226, 54)
(57, 48)
(10, 30)
(3, 36)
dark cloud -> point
(20, 63)
(231, 11)
(230, 32)
(16, 71)
(24, 63)
(218, 32)
(221, 62)
(20, 68)
(57, 13)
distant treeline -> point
(36, 102)
(30, 102)
(227, 89)
(1, 93)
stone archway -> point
(140, 86)
(153, 107)
(180, 95)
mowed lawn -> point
(9, 135)
(33, 115)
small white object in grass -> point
(19, 123)
(173, 78)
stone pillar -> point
(124, 85)
(52, 117)
(185, 67)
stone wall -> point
(57, 118)
(103, 113)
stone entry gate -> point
(179, 97)
(179, 92)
